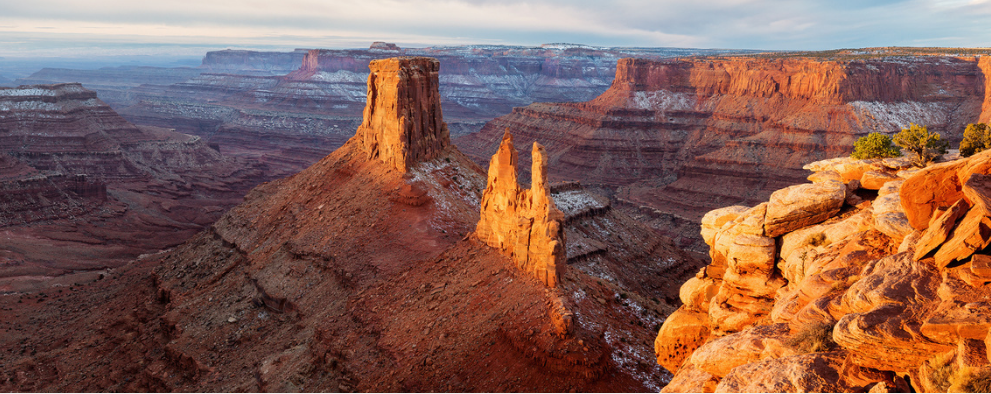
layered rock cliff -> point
(523, 223)
(870, 278)
(403, 124)
(85, 189)
(675, 139)
(356, 275)
(289, 109)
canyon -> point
(289, 109)
(673, 139)
(370, 270)
(85, 190)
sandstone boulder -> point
(682, 332)
(875, 180)
(933, 187)
(889, 217)
(721, 355)
(940, 228)
(800, 206)
(691, 379)
(714, 220)
(805, 373)
(696, 292)
(882, 312)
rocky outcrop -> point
(403, 121)
(856, 299)
(688, 136)
(523, 223)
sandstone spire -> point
(523, 223)
(403, 124)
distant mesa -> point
(384, 46)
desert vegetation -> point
(975, 139)
(874, 146)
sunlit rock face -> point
(887, 290)
(523, 223)
(403, 124)
(678, 138)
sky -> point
(181, 27)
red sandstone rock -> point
(875, 180)
(691, 379)
(802, 205)
(522, 223)
(806, 373)
(939, 230)
(403, 124)
(719, 356)
(682, 332)
(936, 186)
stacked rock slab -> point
(828, 288)
(403, 124)
(522, 223)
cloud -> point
(761, 24)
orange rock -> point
(825, 176)
(980, 266)
(719, 356)
(883, 312)
(682, 332)
(403, 124)
(696, 293)
(875, 180)
(972, 321)
(805, 373)
(803, 205)
(940, 229)
(931, 188)
(523, 223)
(691, 379)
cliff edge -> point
(872, 277)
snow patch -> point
(664, 100)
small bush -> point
(971, 381)
(817, 239)
(925, 146)
(814, 338)
(943, 369)
(976, 139)
(874, 146)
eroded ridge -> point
(522, 223)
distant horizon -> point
(64, 28)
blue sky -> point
(84, 28)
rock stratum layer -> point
(356, 275)
(523, 223)
(828, 287)
(403, 123)
(676, 139)
(84, 189)
(290, 109)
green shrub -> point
(817, 239)
(975, 139)
(814, 338)
(874, 146)
(971, 380)
(925, 146)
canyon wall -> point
(675, 139)
(289, 109)
(85, 189)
